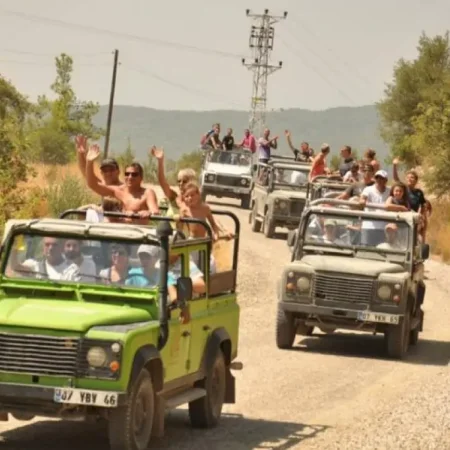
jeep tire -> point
(206, 411)
(285, 329)
(269, 226)
(254, 222)
(130, 426)
(245, 201)
(397, 337)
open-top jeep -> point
(278, 196)
(227, 174)
(356, 270)
(114, 321)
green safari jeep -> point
(115, 321)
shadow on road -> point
(426, 352)
(234, 432)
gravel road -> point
(329, 392)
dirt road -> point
(330, 392)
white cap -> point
(151, 250)
(382, 174)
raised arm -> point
(158, 153)
(92, 181)
(395, 170)
(289, 141)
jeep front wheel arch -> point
(130, 426)
(206, 411)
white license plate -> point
(85, 397)
(379, 317)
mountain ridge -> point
(179, 131)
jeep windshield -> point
(287, 177)
(107, 262)
(363, 236)
(235, 158)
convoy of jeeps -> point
(77, 345)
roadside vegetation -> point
(39, 176)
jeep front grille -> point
(38, 355)
(342, 288)
(228, 181)
(297, 207)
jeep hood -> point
(228, 169)
(356, 266)
(65, 315)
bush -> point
(69, 193)
(439, 229)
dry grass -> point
(438, 234)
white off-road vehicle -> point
(227, 173)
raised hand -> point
(158, 153)
(287, 133)
(81, 144)
(396, 161)
(93, 153)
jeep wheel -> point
(254, 222)
(304, 330)
(130, 426)
(269, 226)
(285, 329)
(398, 337)
(245, 201)
(206, 411)
(414, 334)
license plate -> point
(84, 397)
(379, 317)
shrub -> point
(69, 193)
(439, 229)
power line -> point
(318, 72)
(177, 85)
(52, 55)
(331, 51)
(128, 36)
(262, 35)
(41, 63)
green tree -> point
(14, 168)
(57, 122)
(127, 157)
(415, 83)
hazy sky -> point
(334, 53)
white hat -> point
(382, 174)
(151, 250)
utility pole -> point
(262, 34)
(111, 102)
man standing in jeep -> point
(228, 140)
(356, 188)
(265, 146)
(347, 160)
(305, 154)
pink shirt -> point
(249, 142)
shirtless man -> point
(134, 198)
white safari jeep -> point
(227, 174)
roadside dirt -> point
(329, 392)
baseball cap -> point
(382, 174)
(151, 250)
(330, 223)
(109, 162)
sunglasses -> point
(108, 169)
(131, 174)
(119, 252)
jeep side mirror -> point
(291, 238)
(184, 290)
(425, 251)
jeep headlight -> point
(303, 284)
(97, 357)
(210, 177)
(384, 292)
(244, 181)
(281, 204)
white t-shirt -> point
(64, 271)
(373, 195)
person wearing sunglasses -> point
(118, 272)
(135, 198)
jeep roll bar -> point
(237, 224)
(334, 201)
(319, 178)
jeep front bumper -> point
(340, 314)
(22, 397)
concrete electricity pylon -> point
(262, 34)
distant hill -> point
(180, 131)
